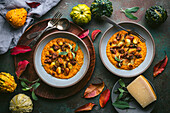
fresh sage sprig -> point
(128, 12)
(123, 98)
(34, 86)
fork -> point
(129, 31)
(51, 23)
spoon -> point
(62, 25)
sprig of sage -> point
(34, 86)
(76, 48)
(123, 98)
(128, 12)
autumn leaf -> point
(21, 67)
(104, 97)
(33, 4)
(94, 34)
(83, 34)
(20, 49)
(159, 67)
(86, 107)
(94, 90)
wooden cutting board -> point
(45, 90)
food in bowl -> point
(125, 51)
(62, 58)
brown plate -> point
(45, 90)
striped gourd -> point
(7, 82)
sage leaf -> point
(73, 55)
(34, 97)
(122, 84)
(132, 10)
(76, 48)
(120, 96)
(23, 84)
(26, 89)
(131, 16)
(121, 90)
(122, 105)
(63, 53)
(36, 85)
(117, 59)
(27, 81)
(70, 46)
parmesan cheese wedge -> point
(142, 91)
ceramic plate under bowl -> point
(134, 103)
(149, 44)
(49, 79)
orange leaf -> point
(86, 107)
(94, 34)
(159, 67)
(21, 67)
(94, 90)
(104, 97)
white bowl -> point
(149, 44)
(49, 79)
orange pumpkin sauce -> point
(125, 51)
(49, 67)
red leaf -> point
(104, 97)
(20, 49)
(94, 90)
(94, 34)
(21, 67)
(33, 4)
(86, 107)
(83, 33)
(159, 67)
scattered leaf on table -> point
(94, 34)
(121, 105)
(21, 67)
(93, 90)
(159, 67)
(86, 107)
(132, 10)
(34, 97)
(104, 97)
(83, 34)
(33, 4)
(129, 15)
(20, 49)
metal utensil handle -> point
(112, 22)
(35, 39)
(32, 35)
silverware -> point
(62, 25)
(129, 31)
(51, 24)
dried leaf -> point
(21, 67)
(86, 107)
(159, 67)
(20, 49)
(104, 97)
(94, 34)
(83, 34)
(33, 4)
(94, 90)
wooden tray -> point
(44, 90)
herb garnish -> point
(128, 12)
(76, 48)
(34, 86)
(63, 53)
(123, 99)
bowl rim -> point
(128, 22)
(88, 62)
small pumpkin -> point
(21, 103)
(7, 82)
(81, 14)
(101, 7)
(156, 15)
(16, 17)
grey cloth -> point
(9, 36)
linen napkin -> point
(9, 36)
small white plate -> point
(149, 44)
(49, 79)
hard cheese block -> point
(142, 91)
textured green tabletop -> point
(68, 105)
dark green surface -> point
(68, 105)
